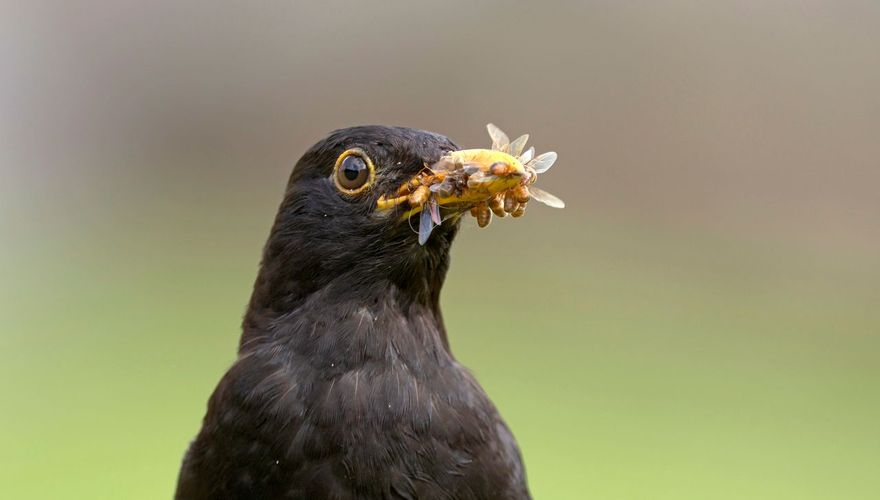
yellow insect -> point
(504, 157)
(497, 181)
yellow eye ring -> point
(354, 172)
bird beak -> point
(459, 181)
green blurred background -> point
(701, 321)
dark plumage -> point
(345, 387)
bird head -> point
(355, 210)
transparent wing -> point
(426, 225)
(543, 162)
(471, 169)
(480, 178)
(527, 156)
(500, 141)
(545, 197)
(443, 164)
(435, 212)
(444, 188)
(518, 144)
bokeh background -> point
(701, 321)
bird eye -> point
(354, 171)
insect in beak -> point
(483, 181)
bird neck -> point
(345, 326)
(294, 304)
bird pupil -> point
(352, 167)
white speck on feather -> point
(363, 312)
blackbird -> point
(345, 386)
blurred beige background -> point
(700, 322)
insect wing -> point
(480, 178)
(545, 197)
(435, 212)
(444, 164)
(543, 162)
(518, 144)
(471, 169)
(500, 141)
(426, 225)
